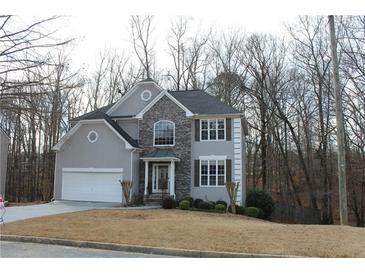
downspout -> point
(131, 175)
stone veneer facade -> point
(165, 109)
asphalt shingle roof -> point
(200, 102)
(160, 153)
(96, 114)
(124, 134)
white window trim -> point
(216, 171)
(146, 92)
(216, 130)
(96, 136)
(213, 157)
(154, 126)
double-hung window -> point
(212, 129)
(212, 172)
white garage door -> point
(99, 185)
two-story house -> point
(175, 143)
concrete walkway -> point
(16, 213)
(32, 250)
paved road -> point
(16, 213)
(31, 250)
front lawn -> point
(196, 230)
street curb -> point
(138, 248)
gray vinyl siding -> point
(206, 148)
(107, 152)
(4, 142)
(134, 104)
(130, 126)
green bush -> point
(260, 199)
(188, 198)
(240, 210)
(261, 214)
(220, 207)
(252, 212)
(221, 202)
(204, 205)
(211, 205)
(168, 203)
(197, 202)
(184, 205)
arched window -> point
(164, 133)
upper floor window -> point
(164, 133)
(212, 129)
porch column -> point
(172, 180)
(145, 177)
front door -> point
(160, 178)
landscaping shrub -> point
(261, 214)
(168, 203)
(211, 205)
(197, 202)
(221, 202)
(204, 205)
(220, 207)
(240, 210)
(260, 199)
(252, 212)
(188, 198)
(184, 204)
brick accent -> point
(165, 109)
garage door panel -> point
(92, 186)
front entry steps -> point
(155, 198)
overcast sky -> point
(114, 32)
(102, 24)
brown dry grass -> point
(196, 230)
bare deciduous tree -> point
(141, 28)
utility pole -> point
(341, 161)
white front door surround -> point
(161, 174)
(158, 171)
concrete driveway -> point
(17, 213)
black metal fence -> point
(299, 215)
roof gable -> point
(132, 102)
(158, 98)
(195, 102)
(202, 103)
(130, 143)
